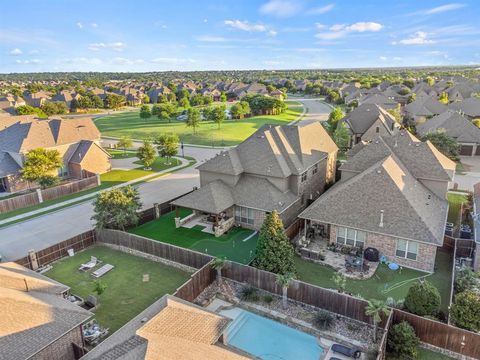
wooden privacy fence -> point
(39, 196)
(199, 280)
(166, 251)
(382, 347)
(442, 335)
(294, 229)
(58, 251)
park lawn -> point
(126, 294)
(231, 132)
(455, 203)
(231, 245)
(120, 154)
(384, 283)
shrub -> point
(402, 340)
(323, 320)
(423, 299)
(466, 280)
(249, 293)
(268, 298)
(399, 304)
(465, 310)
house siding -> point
(62, 348)
(371, 132)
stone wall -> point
(62, 348)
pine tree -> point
(275, 253)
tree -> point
(217, 114)
(274, 252)
(340, 281)
(284, 281)
(466, 279)
(125, 143)
(114, 101)
(375, 309)
(99, 287)
(41, 166)
(54, 108)
(423, 299)
(240, 109)
(402, 340)
(145, 112)
(341, 136)
(396, 114)
(167, 146)
(443, 98)
(146, 99)
(183, 102)
(447, 145)
(335, 116)
(117, 208)
(412, 98)
(146, 153)
(465, 310)
(218, 264)
(223, 97)
(30, 110)
(193, 119)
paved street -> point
(317, 110)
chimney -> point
(381, 218)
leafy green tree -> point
(402, 341)
(341, 136)
(54, 108)
(240, 109)
(207, 99)
(146, 153)
(193, 119)
(145, 112)
(340, 281)
(167, 145)
(284, 281)
(196, 100)
(335, 116)
(223, 97)
(375, 308)
(183, 102)
(465, 310)
(412, 98)
(99, 287)
(30, 110)
(117, 208)
(443, 98)
(218, 264)
(114, 101)
(430, 80)
(447, 145)
(466, 279)
(146, 99)
(423, 299)
(125, 143)
(409, 83)
(183, 94)
(396, 114)
(217, 115)
(41, 166)
(275, 253)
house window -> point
(407, 249)
(352, 237)
(63, 171)
(244, 215)
(304, 177)
(377, 129)
(315, 169)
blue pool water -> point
(268, 339)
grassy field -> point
(126, 294)
(384, 283)
(231, 245)
(232, 132)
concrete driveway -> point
(471, 175)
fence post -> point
(40, 196)
(157, 210)
(99, 181)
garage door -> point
(466, 150)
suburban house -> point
(282, 168)
(469, 107)
(391, 197)
(36, 99)
(456, 126)
(38, 322)
(9, 103)
(77, 141)
(378, 99)
(169, 329)
(66, 97)
(368, 121)
(423, 108)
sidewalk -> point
(86, 197)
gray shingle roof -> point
(454, 124)
(364, 116)
(470, 107)
(410, 210)
(425, 106)
(8, 166)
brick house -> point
(282, 168)
(38, 322)
(77, 141)
(392, 197)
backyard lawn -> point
(384, 283)
(126, 294)
(233, 245)
(455, 203)
(232, 132)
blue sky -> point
(147, 35)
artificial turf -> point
(231, 245)
(126, 294)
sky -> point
(186, 35)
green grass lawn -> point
(232, 132)
(384, 283)
(126, 294)
(229, 245)
(455, 203)
(423, 354)
(120, 154)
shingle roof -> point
(8, 166)
(214, 197)
(425, 106)
(364, 116)
(470, 106)
(410, 210)
(454, 124)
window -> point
(352, 237)
(377, 129)
(304, 176)
(407, 249)
(315, 169)
(244, 215)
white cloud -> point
(280, 8)
(320, 26)
(125, 61)
(116, 46)
(419, 38)
(82, 25)
(272, 62)
(210, 38)
(321, 10)
(383, 58)
(81, 61)
(249, 27)
(338, 31)
(79, 25)
(34, 51)
(364, 26)
(444, 8)
(32, 61)
(16, 52)
(173, 60)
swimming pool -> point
(268, 339)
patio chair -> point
(89, 265)
(345, 350)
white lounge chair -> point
(89, 265)
(102, 271)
